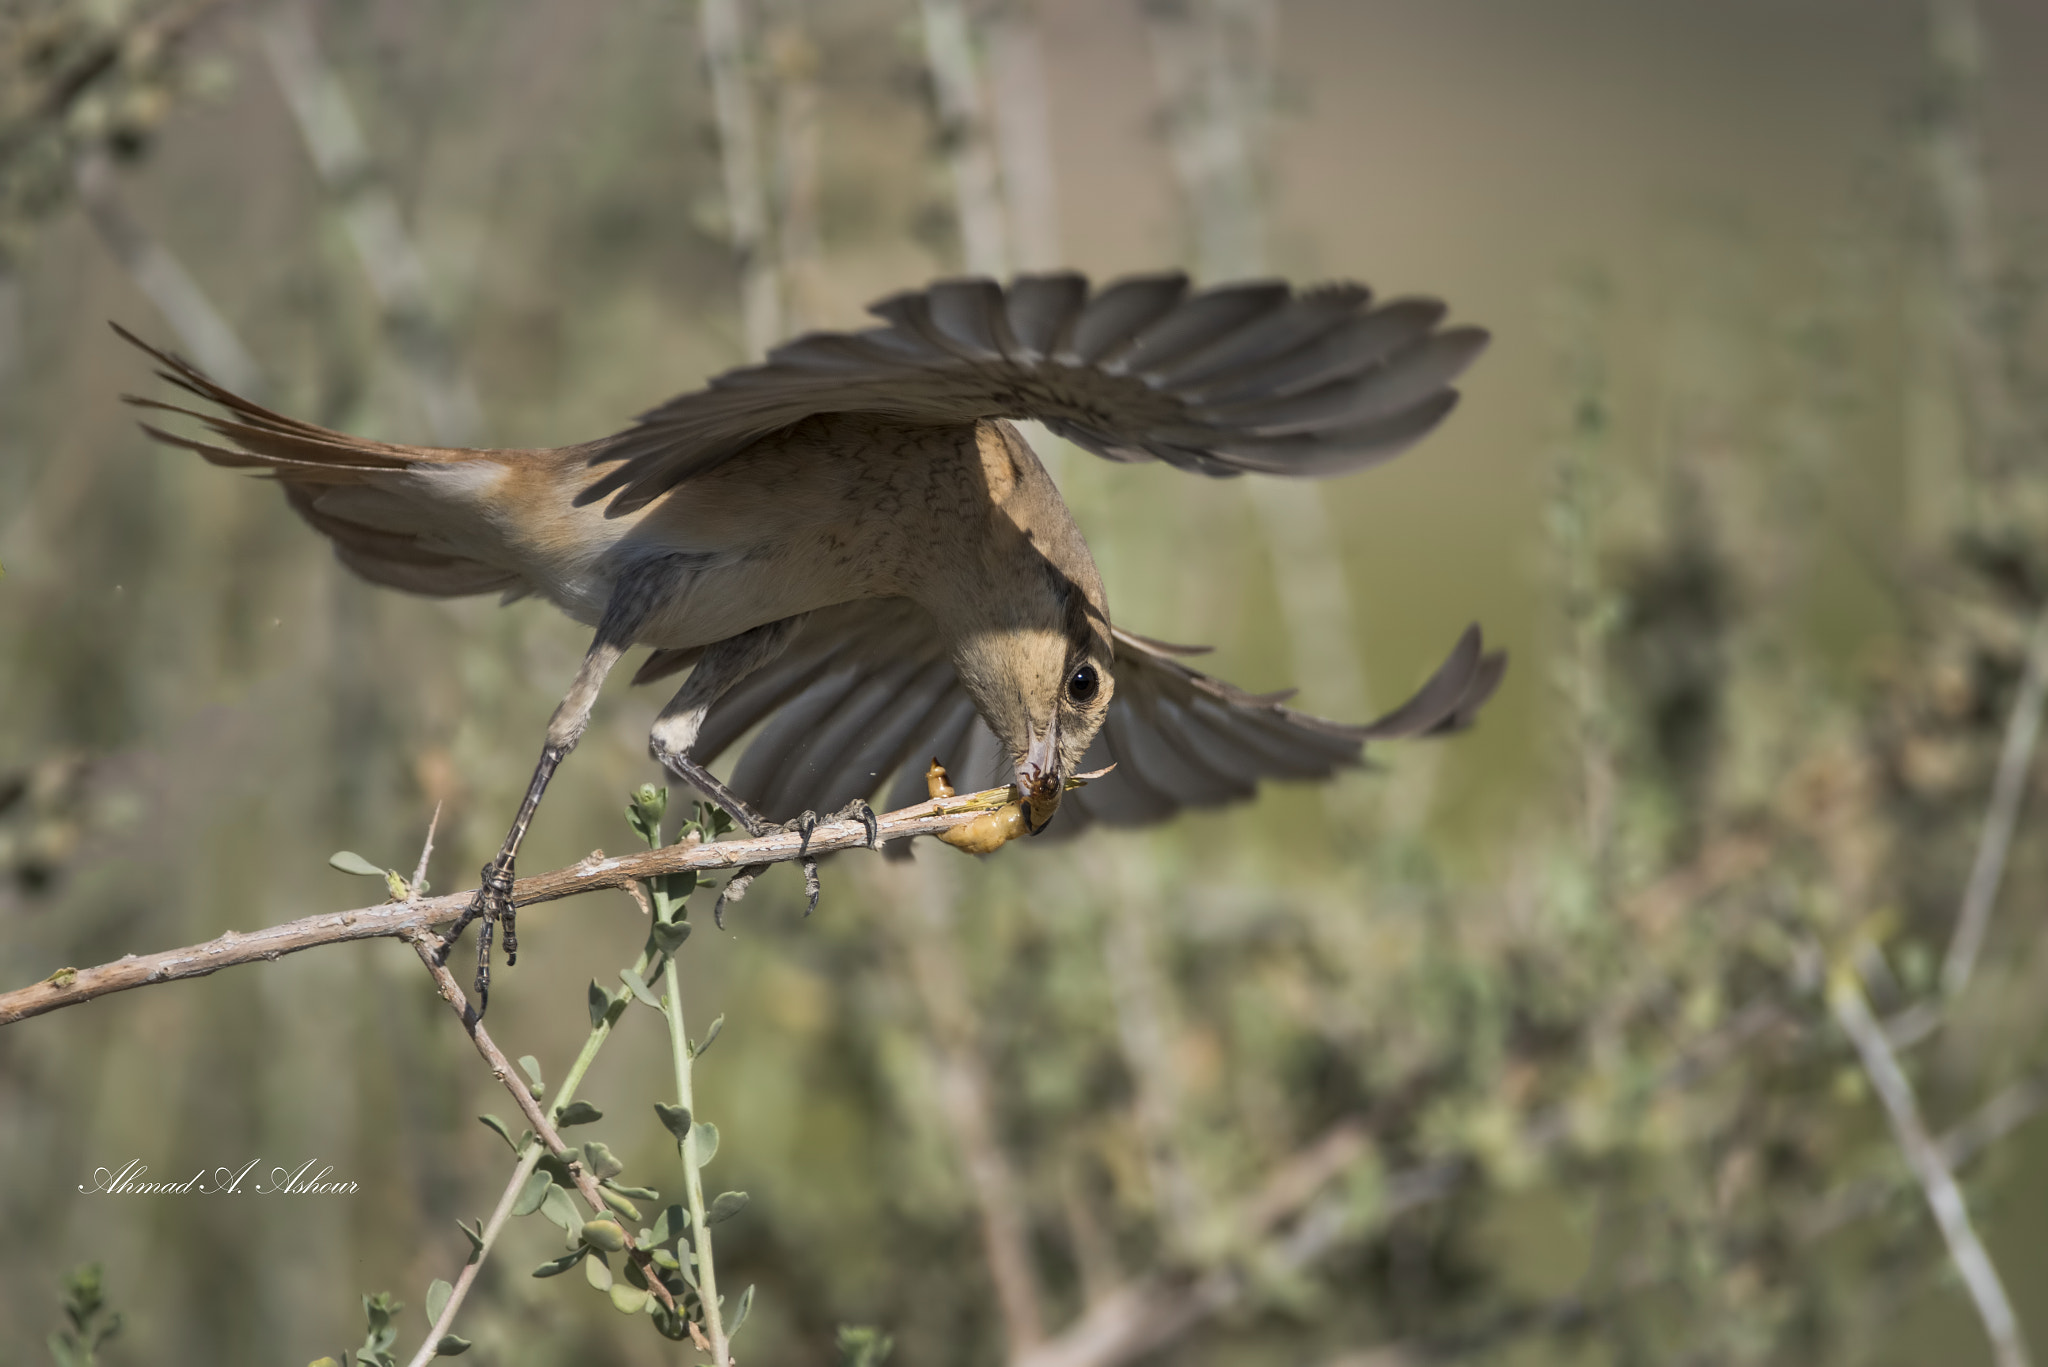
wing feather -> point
(865, 696)
(1242, 377)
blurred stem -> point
(1146, 1035)
(333, 135)
(1213, 64)
(2008, 791)
(163, 279)
(965, 1098)
(722, 29)
(963, 128)
(1852, 1009)
(693, 1182)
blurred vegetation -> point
(1529, 1048)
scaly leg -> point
(623, 616)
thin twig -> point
(1980, 1276)
(2008, 789)
(405, 920)
(428, 947)
(445, 1322)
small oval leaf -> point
(557, 1206)
(454, 1346)
(348, 861)
(533, 1193)
(674, 1119)
(628, 1300)
(437, 1301)
(728, 1204)
(577, 1113)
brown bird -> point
(859, 554)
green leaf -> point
(396, 886)
(475, 1237)
(348, 861)
(673, 888)
(600, 1004)
(739, 1315)
(557, 1206)
(637, 1193)
(674, 1119)
(531, 1066)
(561, 1264)
(707, 1142)
(437, 1301)
(672, 1221)
(728, 1204)
(637, 985)
(451, 1346)
(599, 1160)
(628, 1300)
(577, 1113)
(497, 1126)
(597, 1271)
(604, 1234)
(669, 936)
(618, 1202)
(538, 1185)
(710, 1038)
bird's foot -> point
(804, 827)
(492, 905)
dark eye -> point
(1083, 683)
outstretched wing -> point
(865, 697)
(1250, 376)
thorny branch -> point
(410, 920)
(427, 946)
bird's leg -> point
(493, 903)
(676, 730)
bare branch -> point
(405, 920)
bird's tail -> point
(398, 515)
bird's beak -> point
(1038, 777)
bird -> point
(861, 561)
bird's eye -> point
(1083, 683)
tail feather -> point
(367, 497)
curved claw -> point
(805, 826)
(734, 889)
(871, 823)
(810, 886)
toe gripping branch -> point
(492, 904)
(804, 826)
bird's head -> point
(1022, 602)
(1044, 692)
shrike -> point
(850, 547)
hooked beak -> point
(1038, 777)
